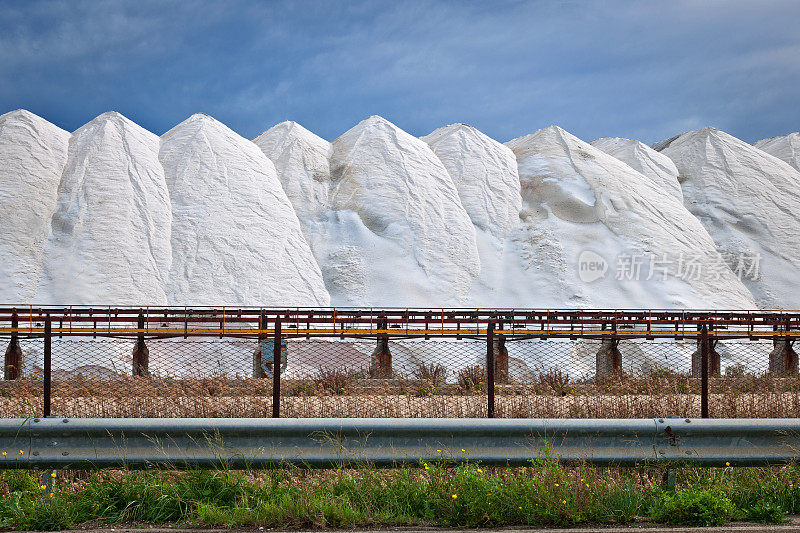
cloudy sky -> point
(646, 70)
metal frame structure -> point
(610, 326)
(161, 322)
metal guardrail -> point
(317, 443)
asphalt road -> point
(793, 526)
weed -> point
(472, 378)
(693, 507)
(434, 374)
(335, 380)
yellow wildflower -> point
(52, 474)
(455, 496)
(563, 501)
(463, 450)
(21, 452)
(51, 494)
(480, 471)
(5, 453)
(44, 487)
(556, 484)
(727, 464)
(587, 485)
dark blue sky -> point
(646, 70)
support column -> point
(141, 353)
(500, 358)
(713, 360)
(258, 368)
(380, 364)
(608, 360)
(783, 358)
(12, 368)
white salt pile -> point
(302, 162)
(785, 148)
(113, 215)
(485, 174)
(399, 234)
(748, 201)
(645, 160)
(110, 241)
(235, 237)
(577, 199)
(33, 153)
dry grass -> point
(343, 394)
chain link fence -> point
(447, 378)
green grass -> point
(543, 494)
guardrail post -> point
(490, 362)
(380, 364)
(48, 366)
(141, 353)
(276, 371)
(705, 349)
(13, 360)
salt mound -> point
(33, 153)
(645, 160)
(786, 148)
(583, 206)
(235, 237)
(301, 160)
(485, 174)
(398, 234)
(747, 199)
(110, 231)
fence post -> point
(705, 349)
(490, 362)
(141, 353)
(13, 361)
(47, 364)
(276, 370)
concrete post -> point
(380, 364)
(141, 353)
(608, 360)
(783, 358)
(500, 358)
(713, 360)
(12, 368)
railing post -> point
(490, 361)
(705, 349)
(141, 353)
(13, 360)
(276, 371)
(47, 364)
